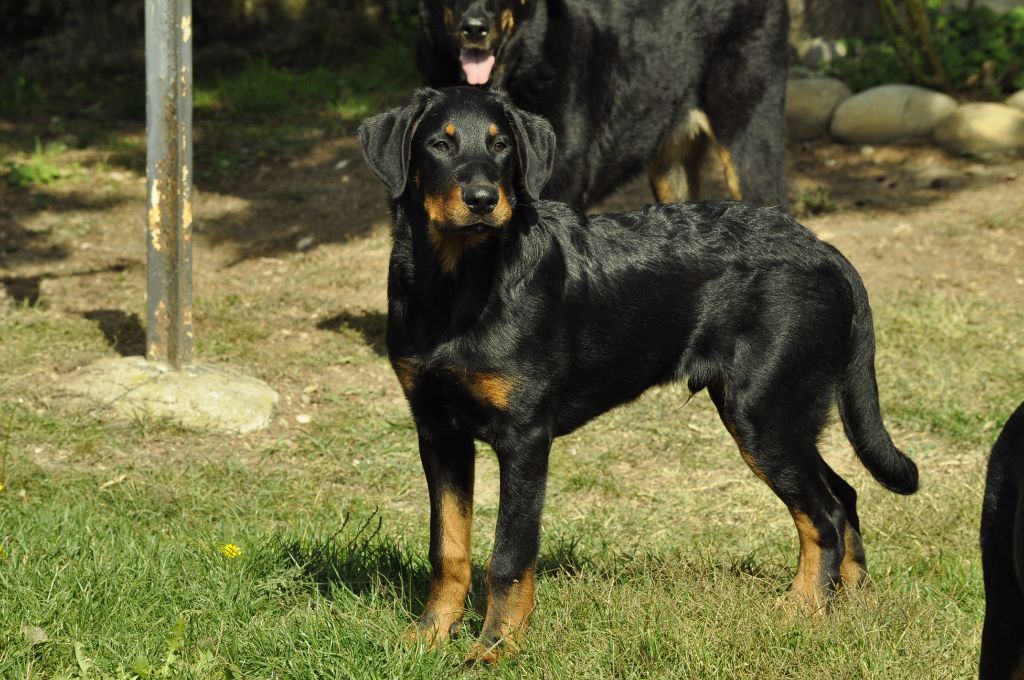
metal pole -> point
(169, 180)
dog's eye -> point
(500, 146)
(442, 146)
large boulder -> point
(1016, 100)
(890, 113)
(810, 103)
(982, 128)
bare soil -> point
(296, 244)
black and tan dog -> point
(514, 320)
(1002, 555)
(629, 85)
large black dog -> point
(514, 320)
(1002, 555)
(629, 85)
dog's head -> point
(464, 154)
(478, 30)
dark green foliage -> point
(980, 50)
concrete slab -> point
(216, 398)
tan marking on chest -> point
(490, 388)
(406, 370)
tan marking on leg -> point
(448, 589)
(490, 388)
(852, 570)
(493, 130)
(449, 19)
(508, 22)
(807, 584)
(666, 171)
(508, 614)
(745, 454)
(732, 178)
(406, 370)
(449, 129)
(1018, 674)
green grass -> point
(356, 85)
(40, 168)
(662, 557)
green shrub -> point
(980, 51)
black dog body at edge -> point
(514, 320)
(1002, 555)
(632, 86)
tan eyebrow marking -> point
(450, 129)
(493, 130)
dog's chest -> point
(439, 384)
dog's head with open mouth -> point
(478, 31)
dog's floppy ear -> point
(387, 141)
(535, 146)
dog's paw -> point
(486, 653)
(431, 633)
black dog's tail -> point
(858, 400)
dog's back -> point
(1002, 555)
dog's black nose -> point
(474, 29)
(480, 199)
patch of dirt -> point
(301, 241)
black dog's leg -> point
(854, 568)
(675, 171)
(778, 444)
(448, 462)
(745, 96)
(523, 465)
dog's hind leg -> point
(777, 441)
(448, 463)
(744, 96)
(675, 171)
(854, 568)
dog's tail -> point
(858, 400)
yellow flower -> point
(230, 551)
(1, 488)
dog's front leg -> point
(448, 459)
(523, 466)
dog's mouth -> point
(477, 65)
(482, 227)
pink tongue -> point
(477, 67)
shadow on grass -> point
(124, 332)
(362, 559)
(26, 290)
(371, 325)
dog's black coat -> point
(619, 80)
(552, 318)
(1002, 555)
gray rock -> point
(818, 52)
(890, 113)
(810, 103)
(1016, 100)
(218, 398)
(982, 128)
